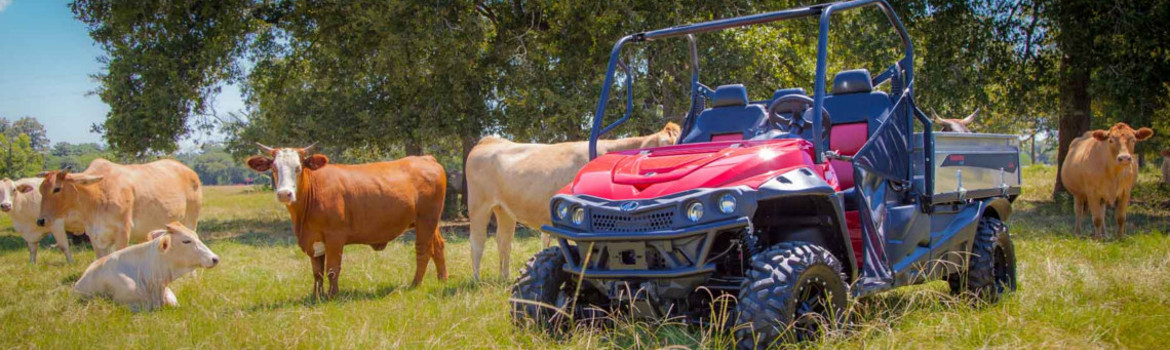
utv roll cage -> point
(900, 74)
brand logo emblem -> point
(629, 206)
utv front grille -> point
(658, 220)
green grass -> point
(1074, 293)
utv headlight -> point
(695, 211)
(727, 203)
(578, 216)
(562, 210)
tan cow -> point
(138, 276)
(1099, 170)
(515, 181)
(1166, 166)
(954, 125)
(23, 204)
(122, 203)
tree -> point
(19, 157)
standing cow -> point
(22, 202)
(515, 181)
(121, 203)
(333, 205)
(1099, 170)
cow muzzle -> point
(210, 263)
(286, 196)
(1124, 158)
(41, 222)
(5, 207)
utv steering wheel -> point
(794, 105)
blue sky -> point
(46, 59)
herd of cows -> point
(333, 205)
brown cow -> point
(955, 125)
(333, 205)
(119, 203)
(1099, 170)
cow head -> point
(287, 165)
(181, 247)
(1121, 138)
(954, 125)
(8, 192)
(665, 137)
(59, 193)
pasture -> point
(1074, 293)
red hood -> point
(657, 172)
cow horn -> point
(309, 147)
(934, 116)
(267, 149)
(971, 117)
(67, 168)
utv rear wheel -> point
(538, 296)
(991, 268)
(790, 292)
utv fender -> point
(997, 207)
(803, 184)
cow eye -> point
(55, 190)
(186, 241)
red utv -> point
(791, 205)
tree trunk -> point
(469, 142)
(1075, 104)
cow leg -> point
(436, 246)
(505, 231)
(32, 252)
(480, 216)
(545, 240)
(1097, 208)
(169, 298)
(333, 263)
(1078, 207)
(1119, 213)
(318, 276)
(62, 239)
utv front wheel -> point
(991, 268)
(538, 296)
(789, 293)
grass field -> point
(1074, 293)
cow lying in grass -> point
(138, 276)
(515, 181)
(22, 202)
(1099, 170)
(334, 205)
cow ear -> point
(316, 161)
(42, 174)
(1101, 135)
(24, 188)
(157, 233)
(1144, 134)
(259, 163)
(164, 243)
(175, 227)
(84, 179)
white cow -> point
(22, 202)
(138, 275)
(515, 181)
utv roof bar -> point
(825, 11)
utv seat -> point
(731, 117)
(857, 112)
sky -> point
(46, 60)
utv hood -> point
(656, 172)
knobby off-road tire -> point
(539, 290)
(991, 267)
(789, 291)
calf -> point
(23, 203)
(138, 276)
(1099, 170)
(334, 205)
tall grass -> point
(1074, 292)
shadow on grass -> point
(71, 278)
(343, 296)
